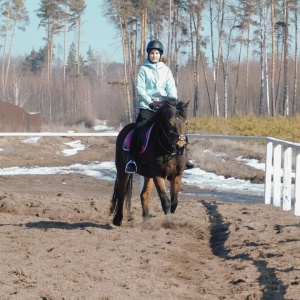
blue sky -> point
(96, 31)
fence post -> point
(277, 175)
(297, 184)
(287, 177)
(268, 172)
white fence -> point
(278, 170)
(278, 183)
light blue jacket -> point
(154, 80)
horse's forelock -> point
(181, 108)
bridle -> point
(176, 150)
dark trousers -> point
(143, 117)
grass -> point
(280, 127)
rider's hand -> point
(154, 105)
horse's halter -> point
(178, 146)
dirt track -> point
(57, 240)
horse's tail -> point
(128, 194)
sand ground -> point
(58, 241)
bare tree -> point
(286, 107)
(295, 10)
(262, 5)
(220, 15)
(77, 8)
(16, 17)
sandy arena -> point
(58, 242)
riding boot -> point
(131, 167)
(190, 163)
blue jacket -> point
(154, 80)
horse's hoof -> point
(146, 218)
(117, 222)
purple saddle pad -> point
(145, 139)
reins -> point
(170, 141)
(166, 133)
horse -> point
(164, 158)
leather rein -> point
(176, 150)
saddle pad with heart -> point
(145, 134)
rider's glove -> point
(155, 104)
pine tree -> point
(35, 61)
(51, 14)
(16, 16)
(77, 8)
(71, 67)
(89, 69)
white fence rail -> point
(278, 181)
(279, 154)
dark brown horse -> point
(164, 158)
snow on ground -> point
(107, 171)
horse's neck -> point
(163, 139)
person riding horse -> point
(154, 82)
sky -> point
(230, 189)
(96, 32)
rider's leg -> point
(131, 167)
(143, 116)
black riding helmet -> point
(155, 44)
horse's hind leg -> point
(145, 196)
(120, 192)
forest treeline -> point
(227, 57)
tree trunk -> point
(237, 75)
(266, 60)
(78, 45)
(65, 50)
(4, 47)
(262, 58)
(197, 64)
(217, 68)
(285, 66)
(9, 53)
(143, 33)
(123, 36)
(273, 60)
(296, 62)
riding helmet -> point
(155, 44)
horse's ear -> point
(186, 103)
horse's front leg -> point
(145, 196)
(160, 184)
(175, 185)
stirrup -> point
(190, 163)
(131, 167)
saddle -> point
(143, 140)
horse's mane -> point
(168, 108)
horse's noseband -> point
(178, 146)
(181, 143)
(181, 137)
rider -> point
(154, 82)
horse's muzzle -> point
(181, 143)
